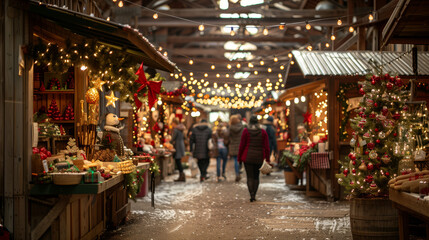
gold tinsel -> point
(92, 96)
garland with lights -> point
(178, 92)
(133, 183)
(341, 98)
(117, 67)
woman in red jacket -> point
(254, 148)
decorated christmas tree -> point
(72, 147)
(53, 111)
(69, 112)
(377, 142)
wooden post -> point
(361, 44)
(333, 135)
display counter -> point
(80, 211)
(409, 205)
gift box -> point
(92, 177)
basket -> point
(67, 178)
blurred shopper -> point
(178, 141)
(201, 133)
(220, 151)
(233, 138)
(272, 139)
(254, 148)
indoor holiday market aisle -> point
(222, 210)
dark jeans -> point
(179, 165)
(223, 155)
(252, 172)
(203, 164)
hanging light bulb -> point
(262, 62)
(307, 26)
(108, 19)
(218, 75)
(250, 65)
(303, 99)
(270, 70)
(227, 75)
(255, 72)
(155, 16)
(206, 75)
(160, 48)
(292, 62)
(265, 32)
(213, 67)
(309, 48)
(327, 45)
(296, 100)
(333, 37)
(282, 67)
(238, 65)
(339, 22)
(276, 59)
(288, 103)
(370, 17)
(191, 62)
(232, 33)
(282, 26)
(351, 29)
(191, 74)
(115, 1)
(120, 4)
(165, 54)
(229, 66)
(201, 27)
(289, 55)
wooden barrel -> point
(373, 219)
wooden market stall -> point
(42, 211)
(338, 73)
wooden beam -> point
(220, 52)
(186, 39)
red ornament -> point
(386, 76)
(369, 178)
(366, 152)
(385, 111)
(376, 129)
(353, 170)
(399, 82)
(345, 172)
(396, 116)
(373, 82)
(370, 166)
(370, 145)
(36, 150)
(395, 134)
(361, 91)
(354, 162)
(387, 174)
(377, 141)
(375, 104)
(405, 108)
(389, 86)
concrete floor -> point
(213, 210)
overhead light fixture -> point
(191, 74)
(296, 100)
(238, 65)
(262, 62)
(206, 75)
(213, 67)
(227, 75)
(292, 62)
(370, 17)
(282, 26)
(120, 4)
(351, 29)
(303, 99)
(270, 70)
(307, 26)
(327, 45)
(191, 62)
(255, 72)
(289, 55)
(232, 33)
(339, 22)
(276, 59)
(218, 75)
(155, 16)
(201, 27)
(288, 103)
(333, 37)
(282, 67)
(228, 66)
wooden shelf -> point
(63, 121)
(55, 92)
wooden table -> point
(409, 205)
(81, 211)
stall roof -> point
(409, 23)
(106, 32)
(358, 63)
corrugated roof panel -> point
(320, 63)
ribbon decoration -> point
(154, 88)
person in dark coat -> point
(201, 133)
(254, 148)
(233, 138)
(178, 141)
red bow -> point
(154, 88)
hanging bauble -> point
(395, 134)
(386, 77)
(375, 104)
(362, 123)
(370, 166)
(373, 82)
(373, 187)
(396, 116)
(367, 135)
(352, 142)
(352, 156)
(405, 108)
(385, 110)
(386, 159)
(389, 86)
(92, 96)
(369, 178)
(346, 172)
(370, 145)
(373, 154)
(353, 170)
(399, 82)
(369, 102)
(363, 167)
(381, 135)
(377, 141)
(372, 115)
(361, 91)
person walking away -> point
(178, 141)
(220, 151)
(234, 136)
(201, 133)
(254, 148)
(271, 132)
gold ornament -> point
(363, 167)
(111, 99)
(98, 84)
(92, 96)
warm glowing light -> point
(276, 59)
(308, 26)
(227, 75)
(265, 31)
(206, 75)
(261, 62)
(370, 17)
(218, 75)
(289, 55)
(165, 54)
(333, 37)
(120, 4)
(238, 65)
(213, 67)
(250, 65)
(201, 27)
(232, 33)
(191, 74)
(303, 99)
(327, 45)
(229, 66)
(339, 22)
(191, 62)
(155, 16)
(255, 72)
(270, 70)
(83, 67)
(309, 48)
(288, 103)
(292, 62)
(351, 29)
(282, 67)
(281, 26)
(296, 100)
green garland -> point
(341, 97)
(117, 67)
(300, 162)
(133, 183)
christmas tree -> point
(53, 111)
(54, 84)
(69, 112)
(376, 141)
(71, 147)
